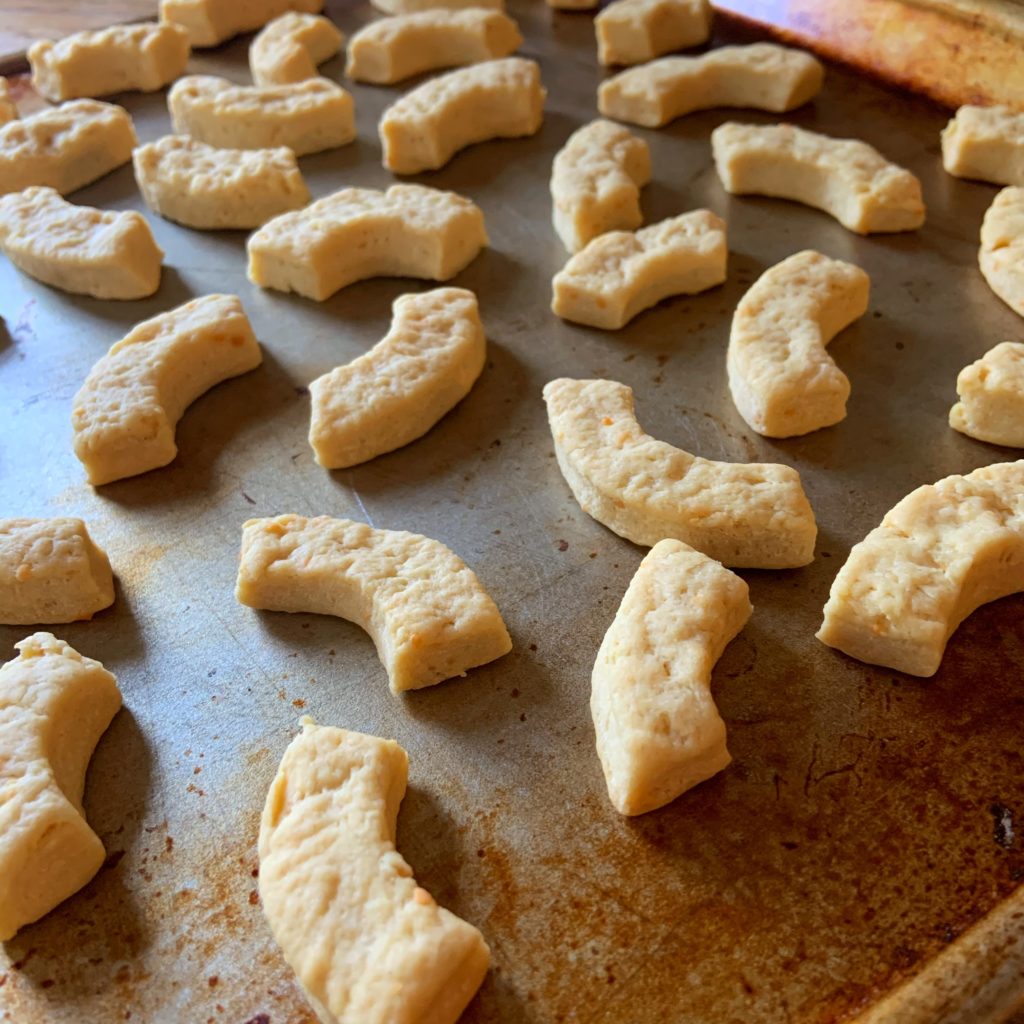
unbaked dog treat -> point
(208, 188)
(408, 231)
(846, 178)
(368, 945)
(596, 179)
(658, 730)
(307, 117)
(632, 31)
(753, 516)
(393, 394)
(8, 111)
(54, 707)
(426, 612)
(1001, 256)
(65, 147)
(51, 571)
(498, 99)
(986, 143)
(991, 391)
(126, 411)
(124, 58)
(211, 22)
(388, 50)
(940, 553)
(622, 273)
(782, 379)
(77, 248)
(762, 75)
(415, 6)
(290, 48)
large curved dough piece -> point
(290, 48)
(54, 706)
(8, 110)
(212, 22)
(940, 553)
(986, 143)
(425, 610)
(634, 31)
(782, 379)
(369, 946)
(752, 515)
(991, 391)
(126, 412)
(415, 6)
(393, 394)
(1001, 257)
(846, 178)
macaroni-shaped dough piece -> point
(986, 143)
(290, 48)
(51, 571)
(846, 178)
(991, 391)
(658, 730)
(368, 945)
(388, 50)
(408, 231)
(208, 188)
(8, 111)
(415, 6)
(126, 411)
(622, 273)
(307, 117)
(940, 553)
(761, 75)
(633, 31)
(596, 179)
(77, 248)
(752, 515)
(212, 22)
(498, 99)
(65, 147)
(425, 610)
(782, 379)
(54, 707)
(393, 394)
(1001, 256)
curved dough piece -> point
(212, 22)
(51, 571)
(622, 273)
(425, 610)
(77, 248)
(752, 515)
(782, 379)
(423, 367)
(940, 553)
(290, 48)
(415, 6)
(762, 75)
(658, 730)
(8, 111)
(368, 945)
(991, 390)
(633, 31)
(408, 231)
(1001, 256)
(307, 117)
(386, 51)
(986, 143)
(126, 411)
(596, 179)
(54, 706)
(208, 188)
(846, 178)
(498, 99)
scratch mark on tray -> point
(359, 501)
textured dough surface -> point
(991, 391)
(212, 22)
(290, 48)
(634, 31)
(8, 111)
(986, 143)
(1001, 257)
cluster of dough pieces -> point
(940, 553)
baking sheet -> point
(862, 825)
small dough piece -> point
(77, 248)
(290, 48)
(124, 58)
(203, 187)
(633, 31)
(750, 515)
(415, 6)
(423, 367)
(65, 147)
(782, 379)
(426, 612)
(658, 730)
(1001, 256)
(408, 231)
(985, 143)
(8, 111)
(596, 179)
(368, 945)
(991, 390)
(212, 22)
(762, 75)
(846, 178)
(126, 411)
(51, 571)
(940, 553)
(498, 99)
(307, 117)
(622, 273)
(388, 50)
(54, 707)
